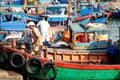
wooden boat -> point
(67, 63)
(116, 14)
(11, 22)
(102, 18)
(115, 8)
(100, 14)
(96, 10)
(90, 36)
(59, 14)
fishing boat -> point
(116, 10)
(100, 13)
(90, 36)
(9, 20)
(12, 22)
(59, 63)
(68, 64)
(60, 13)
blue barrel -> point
(18, 2)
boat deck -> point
(68, 55)
(76, 56)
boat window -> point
(6, 18)
(17, 17)
(55, 10)
(103, 36)
(92, 36)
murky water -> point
(114, 25)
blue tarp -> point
(112, 50)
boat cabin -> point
(58, 14)
(11, 22)
(90, 36)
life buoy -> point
(17, 60)
(33, 66)
(48, 67)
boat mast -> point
(69, 5)
(25, 4)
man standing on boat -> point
(27, 38)
(44, 27)
(36, 38)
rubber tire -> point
(49, 65)
(34, 61)
(17, 60)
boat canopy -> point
(76, 27)
(97, 27)
(80, 27)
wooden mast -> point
(69, 11)
(25, 4)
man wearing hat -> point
(37, 43)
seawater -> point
(114, 25)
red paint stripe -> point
(87, 67)
(71, 65)
(84, 17)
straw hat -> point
(31, 23)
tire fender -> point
(33, 62)
(48, 66)
(17, 60)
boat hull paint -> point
(75, 74)
(102, 18)
(79, 74)
(75, 71)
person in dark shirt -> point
(27, 38)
